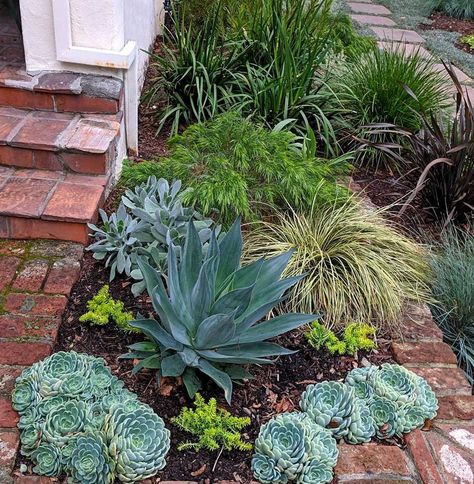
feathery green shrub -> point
(357, 267)
(213, 427)
(456, 8)
(468, 40)
(238, 168)
(453, 288)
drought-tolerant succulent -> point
(384, 413)
(329, 404)
(66, 403)
(138, 442)
(395, 383)
(292, 447)
(149, 220)
(362, 424)
(210, 312)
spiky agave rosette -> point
(68, 406)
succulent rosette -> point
(410, 418)
(315, 472)
(330, 405)
(358, 379)
(395, 383)
(385, 415)
(89, 462)
(28, 417)
(65, 421)
(362, 425)
(30, 437)
(138, 442)
(47, 458)
(25, 395)
(426, 398)
(266, 470)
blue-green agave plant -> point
(292, 447)
(210, 312)
(69, 406)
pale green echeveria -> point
(410, 417)
(47, 459)
(315, 472)
(27, 418)
(358, 379)
(211, 313)
(266, 470)
(426, 398)
(65, 421)
(30, 437)
(330, 405)
(395, 383)
(362, 426)
(138, 442)
(385, 415)
(90, 462)
(47, 404)
(25, 395)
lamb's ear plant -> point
(210, 312)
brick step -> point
(79, 143)
(40, 204)
(61, 92)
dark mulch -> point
(441, 21)
(276, 388)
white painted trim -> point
(124, 59)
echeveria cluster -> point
(76, 418)
(383, 401)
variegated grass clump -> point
(357, 266)
(76, 418)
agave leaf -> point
(221, 378)
(261, 349)
(215, 331)
(203, 291)
(231, 248)
(218, 357)
(172, 365)
(153, 330)
(191, 382)
(237, 300)
(272, 270)
(247, 320)
(236, 372)
(247, 275)
(151, 276)
(191, 260)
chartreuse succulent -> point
(149, 220)
(210, 312)
(72, 421)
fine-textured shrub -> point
(357, 267)
(456, 8)
(214, 427)
(210, 313)
(377, 88)
(468, 40)
(453, 288)
(238, 168)
(76, 418)
(103, 308)
(356, 336)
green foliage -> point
(102, 309)
(468, 40)
(453, 288)
(76, 418)
(357, 267)
(210, 313)
(456, 8)
(238, 168)
(356, 336)
(214, 427)
(149, 219)
(290, 447)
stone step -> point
(80, 143)
(397, 35)
(373, 20)
(368, 8)
(41, 204)
(60, 92)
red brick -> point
(456, 407)
(462, 435)
(8, 416)
(95, 164)
(62, 276)
(12, 247)
(31, 276)
(42, 131)
(47, 160)
(36, 304)
(418, 324)
(8, 266)
(7, 127)
(20, 98)
(9, 443)
(8, 375)
(423, 458)
(97, 180)
(366, 459)
(22, 228)
(16, 157)
(15, 353)
(24, 197)
(56, 249)
(73, 202)
(19, 326)
(445, 381)
(35, 480)
(85, 104)
(93, 135)
(434, 353)
(38, 174)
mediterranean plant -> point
(357, 267)
(214, 427)
(238, 168)
(103, 308)
(453, 288)
(210, 313)
(150, 218)
(456, 8)
(76, 418)
(468, 40)
(292, 447)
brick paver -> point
(368, 8)
(373, 20)
(398, 35)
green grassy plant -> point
(463, 9)
(239, 168)
(453, 287)
(357, 267)
(213, 427)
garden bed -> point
(275, 389)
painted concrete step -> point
(49, 204)
(62, 92)
(77, 143)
